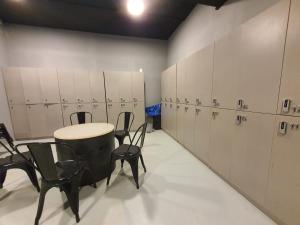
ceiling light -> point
(135, 7)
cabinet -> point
(199, 78)
(125, 87)
(20, 121)
(164, 106)
(282, 196)
(67, 86)
(290, 81)
(37, 120)
(112, 86)
(99, 112)
(31, 85)
(202, 133)
(113, 110)
(188, 125)
(163, 86)
(171, 80)
(251, 152)
(137, 81)
(138, 109)
(14, 86)
(82, 86)
(172, 123)
(221, 138)
(180, 122)
(49, 86)
(182, 81)
(54, 118)
(97, 86)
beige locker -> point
(221, 137)
(97, 86)
(14, 86)
(54, 118)
(262, 47)
(99, 112)
(172, 120)
(202, 133)
(226, 73)
(138, 109)
(137, 87)
(182, 83)
(180, 122)
(113, 110)
(251, 153)
(20, 121)
(67, 110)
(200, 75)
(112, 86)
(290, 81)
(37, 120)
(31, 85)
(171, 80)
(67, 86)
(49, 86)
(163, 86)
(282, 196)
(189, 124)
(125, 87)
(82, 86)
(164, 106)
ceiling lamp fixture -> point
(135, 7)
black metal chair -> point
(124, 132)
(65, 175)
(15, 161)
(131, 153)
(81, 117)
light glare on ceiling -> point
(135, 7)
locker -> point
(189, 124)
(172, 123)
(14, 86)
(37, 120)
(67, 86)
(201, 133)
(290, 81)
(20, 121)
(99, 113)
(112, 86)
(182, 82)
(49, 86)
(31, 85)
(282, 196)
(221, 137)
(226, 73)
(261, 58)
(54, 118)
(251, 153)
(164, 115)
(139, 114)
(199, 78)
(171, 80)
(97, 86)
(180, 122)
(113, 110)
(125, 87)
(67, 110)
(163, 86)
(82, 86)
(137, 81)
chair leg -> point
(143, 163)
(110, 171)
(134, 164)
(44, 188)
(2, 177)
(32, 176)
(72, 193)
(122, 163)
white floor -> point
(177, 189)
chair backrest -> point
(139, 138)
(128, 120)
(81, 117)
(6, 136)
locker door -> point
(137, 83)
(37, 120)
(172, 120)
(182, 82)
(54, 118)
(139, 114)
(282, 197)
(164, 116)
(66, 86)
(226, 74)
(113, 110)
(180, 123)
(262, 57)
(200, 72)
(49, 85)
(125, 87)
(82, 86)
(99, 113)
(97, 86)
(67, 110)
(221, 136)
(112, 86)
(31, 85)
(201, 133)
(290, 81)
(14, 86)
(171, 82)
(251, 153)
(163, 86)
(189, 124)
(20, 121)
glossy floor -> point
(177, 189)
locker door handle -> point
(214, 114)
(186, 109)
(238, 120)
(215, 102)
(198, 111)
(198, 102)
(240, 104)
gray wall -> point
(43, 47)
(205, 24)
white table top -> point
(83, 131)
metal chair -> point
(65, 175)
(81, 117)
(124, 132)
(15, 161)
(131, 153)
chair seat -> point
(14, 159)
(68, 169)
(123, 150)
(121, 133)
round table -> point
(92, 142)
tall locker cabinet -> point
(31, 86)
(14, 86)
